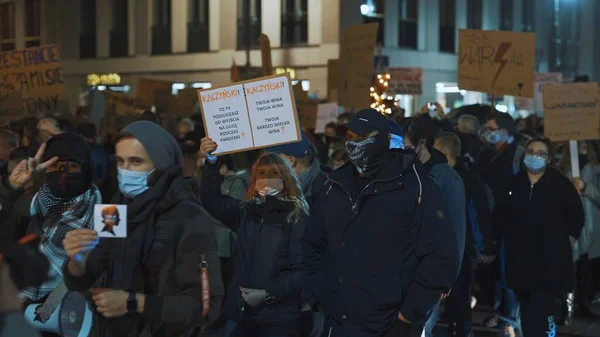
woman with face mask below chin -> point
(542, 217)
(64, 203)
(154, 283)
(263, 298)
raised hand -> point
(207, 146)
(23, 174)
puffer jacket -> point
(268, 256)
(169, 235)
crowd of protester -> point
(380, 226)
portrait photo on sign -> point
(110, 221)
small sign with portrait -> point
(110, 221)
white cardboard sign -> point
(326, 113)
(110, 221)
(252, 114)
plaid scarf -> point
(58, 216)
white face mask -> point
(271, 187)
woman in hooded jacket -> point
(542, 217)
(263, 298)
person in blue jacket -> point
(385, 236)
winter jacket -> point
(169, 236)
(479, 221)
(589, 241)
(389, 246)
(453, 188)
(14, 213)
(536, 221)
(267, 256)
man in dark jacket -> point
(387, 231)
(479, 224)
(155, 275)
(498, 166)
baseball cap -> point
(297, 149)
(367, 121)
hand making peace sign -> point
(23, 174)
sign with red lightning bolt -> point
(496, 62)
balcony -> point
(294, 30)
(87, 46)
(161, 40)
(198, 38)
(254, 31)
(119, 46)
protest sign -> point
(184, 104)
(110, 221)
(149, 91)
(570, 111)
(37, 75)
(252, 114)
(118, 104)
(496, 62)
(333, 79)
(406, 81)
(265, 53)
(307, 114)
(326, 113)
(357, 47)
(11, 108)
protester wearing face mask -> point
(419, 138)
(64, 203)
(301, 156)
(377, 253)
(497, 166)
(190, 145)
(468, 132)
(263, 298)
(587, 248)
(154, 284)
(541, 218)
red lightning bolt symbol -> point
(502, 49)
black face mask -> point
(368, 154)
(67, 185)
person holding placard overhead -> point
(541, 218)
(263, 298)
(157, 282)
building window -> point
(87, 38)
(447, 14)
(119, 45)
(198, 37)
(294, 22)
(528, 17)
(408, 28)
(251, 33)
(32, 23)
(506, 15)
(161, 30)
(373, 11)
(474, 14)
(7, 26)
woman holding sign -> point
(543, 218)
(264, 298)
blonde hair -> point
(292, 190)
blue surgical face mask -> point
(535, 164)
(495, 137)
(133, 183)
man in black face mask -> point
(377, 253)
(65, 202)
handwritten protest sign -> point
(537, 103)
(252, 114)
(570, 112)
(150, 91)
(11, 108)
(118, 104)
(357, 47)
(36, 74)
(496, 62)
(315, 116)
(326, 113)
(184, 104)
(406, 81)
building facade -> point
(194, 42)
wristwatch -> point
(132, 303)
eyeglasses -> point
(542, 154)
(66, 166)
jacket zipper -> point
(531, 192)
(355, 203)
